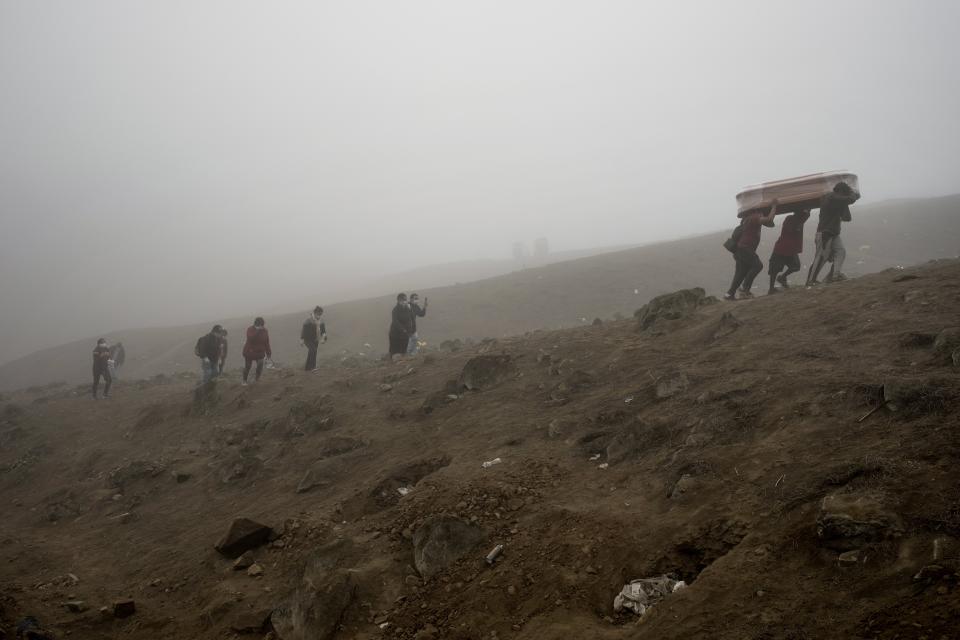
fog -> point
(171, 162)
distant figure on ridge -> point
(255, 349)
(413, 345)
(745, 253)
(401, 326)
(222, 351)
(834, 209)
(101, 368)
(787, 250)
(208, 349)
(311, 334)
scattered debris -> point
(640, 595)
(494, 554)
(404, 490)
(490, 463)
(75, 606)
(255, 570)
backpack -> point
(730, 244)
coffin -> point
(793, 193)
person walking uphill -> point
(834, 209)
(101, 368)
(255, 349)
(745, 254)
(311, 333)
(208, 349)
(401, 326)
(787, 250)
(413, 345)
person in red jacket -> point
(256, 348)
(748, 262)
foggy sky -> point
(166, 162)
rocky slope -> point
(736, 446)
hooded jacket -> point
(258, 344)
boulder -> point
(316, 608)
(243, 535)
(849, 521)
(670, 306)
(441, 541)
(485, 371)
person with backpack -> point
(787, 250)
(745, 243)
(208, 349)
(312, 333)
(834, 209)
(401, 326)
(101, 368)
(413, 345)
(255, 349)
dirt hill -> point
(730, 445)
(565, 294)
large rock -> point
(849, 521)
(485, 371)
(671, 306)
(316, 608)
(243, 535)
(441, 541)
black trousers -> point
(107, 379)
(248, 362)
(311, 355)
(748, 266)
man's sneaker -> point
(730, 296)
(243, 384)
(782, 279)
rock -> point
(905, 276)
(244, 561)
(722, 327)
(670, 306)
(914, 397)
(181, 476)
(947, 340)
(316, 607)
(916, 339)
(849, 557)
(124, 608)
(671, 384)
(244, 534)
(385, 387)
(255, 570)
(311, 479)
(339, 445)
(250, 622)
(441, 541)
(485, 371)
(75, 606)
(429, 632)
(849, 521)
(685, 484)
